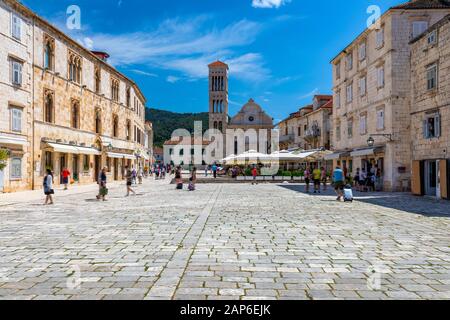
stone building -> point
(430, 111)
(16, 51)
(251, 117)
(82, 113)
(372, 90)
(310, 127)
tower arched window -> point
(220, 126)
(75, 115)
(98, 122)
(215, 124)
(48, 107)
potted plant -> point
(4, 154)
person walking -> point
(362, 180)
(356, 180)
(317, 174)
(193, 179)
(178, 178)
(338, 182)
(134, 176)
(103, 190)
(307, 174)
(214, 170)
(206, 171)
(65, 177)
(324, 178)
(129, 179)
(140, 175)
(254, 175)
(48, 187)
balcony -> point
(287, 138)
(313, 133)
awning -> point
(86, 150)
(120, 155)
(366, 152)
(63, 148)
(333, 156)
(12, 140)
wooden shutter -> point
(417, 178)
(437, 125)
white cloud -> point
(309, 94)
(269, 3)
(188, 47)
(173, 79)
(144, 73)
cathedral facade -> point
(249, 129)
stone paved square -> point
(223, 241)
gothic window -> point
(220, 126)
(115, 126)
(75, 114)
(215, 124)
(74, 67)
(49, 52)
(128, 130)
(128, 97)
(98, 121)
(48, 106)
(115, 89)
(97, 79)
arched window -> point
(75, 114)
(48, 107)
(215, 124)
(115, 126)
(49, 45)
(128, 97)
(98, 122)
(220, 126)
(115, 89)
(97, 79)
(74, 67)
(128, 130)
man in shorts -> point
(317, 174)
(338, 181)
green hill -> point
(165, 122)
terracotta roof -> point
(218, 64)
(424, 4)
(171, 142)
(158, 150)
(323, 96)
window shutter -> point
(425, 129)
(437, 124)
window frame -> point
(381, 77)
(16, 27)
(363, 124)
(12, 170)
(382, 111)
(432, 34)
(349, 93)
(20, 121)
(362, 80)
(379, 37)
(428, 69)
(415, 23)
(16, 63)
(362, 45)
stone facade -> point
(16, 43)
(310, 127)
(430, 111)
(371, 83)
(83, 114)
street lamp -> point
(371, 140)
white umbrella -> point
(252, 155)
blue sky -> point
(278, 50)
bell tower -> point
(218, 96)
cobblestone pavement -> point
(225, 241)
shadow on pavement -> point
(399, 201)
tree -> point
(3, 158)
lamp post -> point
(371, 140)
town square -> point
(175, 150)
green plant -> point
(3, 158)
(248, 172)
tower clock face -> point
(251, 118)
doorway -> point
(2, 181)
(431, 178)
(75, 168)
(97, 165)
(116, 169)
(62, 165)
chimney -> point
(101, 55)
